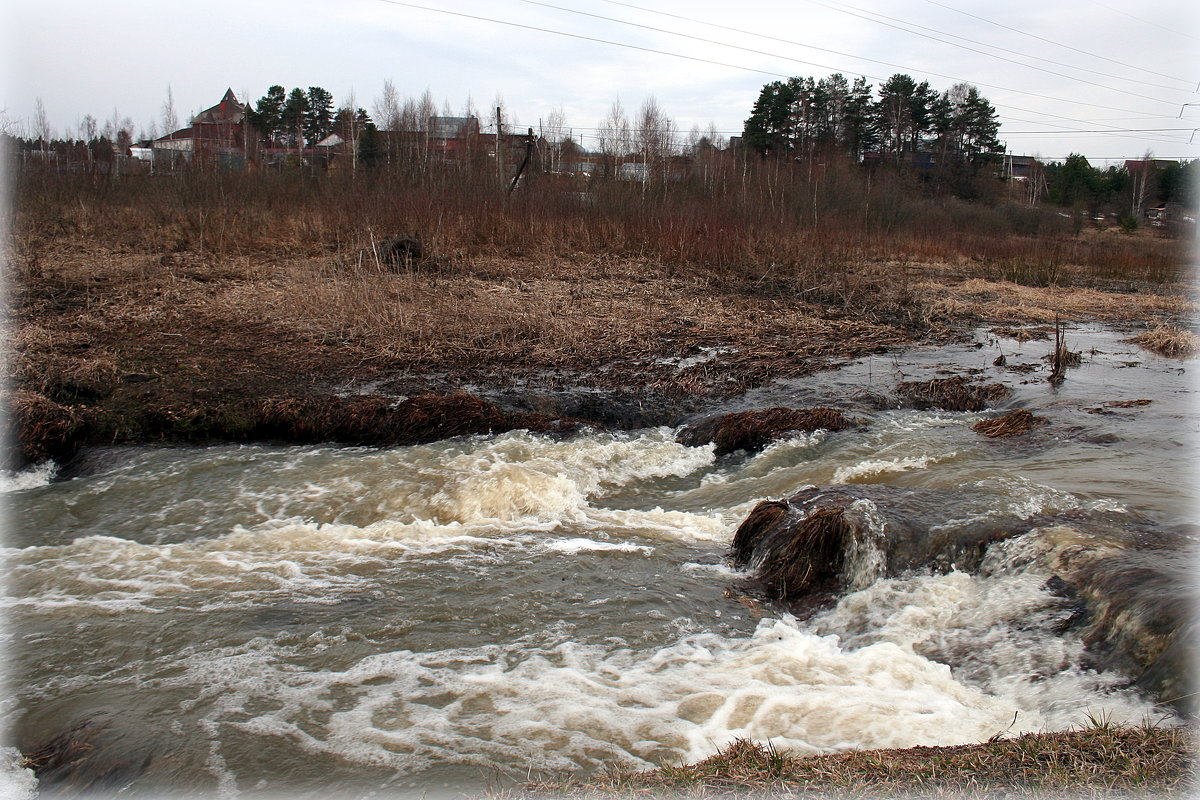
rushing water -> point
(322, 621)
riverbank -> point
(114, 345)
(1101, 761)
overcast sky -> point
(1108, 79)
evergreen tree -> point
(767, 131)
(857, 133)
(318, 120)
(293, 117)
(267, 115)
(369, 145)
(1073, 182)
(893, 116)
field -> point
(194, 306)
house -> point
(217, 135)
(1021, 168)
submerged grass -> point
(1102, 761)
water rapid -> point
(254, 621)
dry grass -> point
(1103, 761)
(199, 290)
(956, 393)
(1016, 423)
(1004, 301)
(753, 430)
(791, 557)
(1171, 341)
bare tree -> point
(614, 136)
(426, 110)
(655, 136)
(41, 124)
(87, 128)
(170, 119)
(387, 107)
(553, 130)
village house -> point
(217, 135)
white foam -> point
(30, 478)
(998, 631)
(576, 546)
(874, 467)
(17, 782)
(574, 706)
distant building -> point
(1021, 168)
(217, 135)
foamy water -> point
(241, 621)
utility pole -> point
(499, 156)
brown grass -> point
(791, 557)
(1016, 423)
(1102, 761)
(173, 293)
(1171, 341)
(955, 393)
(753, 430)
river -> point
(261, 621)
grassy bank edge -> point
(1101, 760)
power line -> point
(984, 44)
(863, 58)
(719, 63)
(1146, 21)
(586, 38)
(832, 7)
(1043, 39)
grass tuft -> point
(1171, 341)
(1016, 423)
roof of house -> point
(1145, 163)
(229, 110)
(452, 127)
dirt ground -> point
(107, 345)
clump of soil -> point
(809, 557)
(1039, 333)
(956, 393)
(1017, 423)
(37, 427)
(45, 429)
(753, 430)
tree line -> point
(1075, 183)
(301, 118)
(905, 123)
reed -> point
(955, 393)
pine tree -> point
(267, 115)
(293, 117)
(318, 120)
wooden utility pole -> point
(499, 151)
(525, 162)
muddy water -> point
(249, 621)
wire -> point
(814, 47)
(1039, 38)
(872, 60)
(588, 38)
(723, 64)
